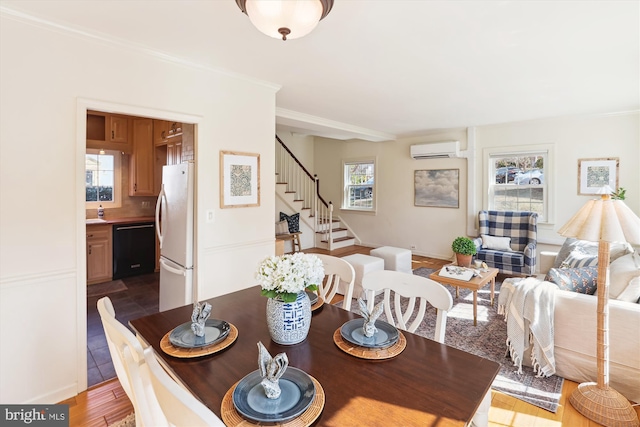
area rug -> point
(488, 340)
(106, 288)
(128, 421)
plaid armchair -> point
(522, 228)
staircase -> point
(298, 189)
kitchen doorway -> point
(102, 126)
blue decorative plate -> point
(214, 331)
(297, 393)
(386, 335)
(313, 298)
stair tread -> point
(333, 230)
(340, 239)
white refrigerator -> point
(174, 226)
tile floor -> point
(140, 299)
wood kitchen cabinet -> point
(108, 131)
(99, 254)
(174, 152)
(141, 161)
(164, 131)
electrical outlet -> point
(210, 216)
(412, 247)
(145, 204)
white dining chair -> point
(178, 406)
(147, 409)
(412, 286)
(338, 273)
(119, 338)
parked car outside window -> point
(534, 177)
(509, 171)
(363, 191)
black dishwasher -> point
(134, 249)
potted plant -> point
(464, 249)
(283, 280)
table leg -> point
(457, 292)
(475, 308)
(493, 287)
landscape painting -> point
(437, 188)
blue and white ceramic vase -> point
(289, 322)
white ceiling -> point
(380, 69)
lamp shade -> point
(286, 19)
(604, 219)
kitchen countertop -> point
(127, 220)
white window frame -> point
(345, 184)
(546, 150)
(117, 181)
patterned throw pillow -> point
(293, 221)
(583, 280)
(579, 258)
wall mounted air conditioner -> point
(436, 150)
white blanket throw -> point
(528, 307)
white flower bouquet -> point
(285, 276)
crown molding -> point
(307, 124)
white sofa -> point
(575, 335)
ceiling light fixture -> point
(286, 19)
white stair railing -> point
(305, 188)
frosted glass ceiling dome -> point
(286, 19)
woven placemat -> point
(370, 353)
(318, 304)
(174, 351)
(232, 418)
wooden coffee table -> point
(474, 284)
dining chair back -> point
(180, 408)
(412, 287)
(119, 338)
(147, 409)
(338, 273)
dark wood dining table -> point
(427, 384)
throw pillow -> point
(583, 280)
(292, 220)
(571, 244)
(584, 247)
(631, 292)
(621, 272)
(282, 227)
(579, 258)
(496, 243)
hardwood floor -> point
(106, 403)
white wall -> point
(44, 74)
(397, 222)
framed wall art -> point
(593, 174)
(239, 179)
(437, 188)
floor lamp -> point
(604, 221)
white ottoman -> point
(397, 259)
(362, 264)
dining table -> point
(426, 384)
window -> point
(518, 182)
(102, 179)
(359, 185)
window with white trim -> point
(359, 185)
(102, 179)
(518, 182)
